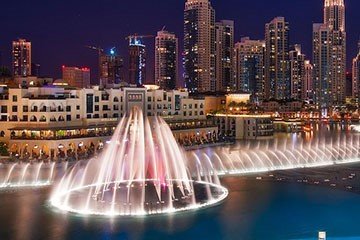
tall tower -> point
(277, 77)
(356, 75)
(111, 66)
(224, 46)
(329, 55)
(166, 60)
(137, 61)
(308, 81)
(297, 73)
(21, 54)
(199, 46)
(249, 67)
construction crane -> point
(100, 50)
(136, 39)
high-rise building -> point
(224, 49)
(199, 46)
(308, 82)
(297, 73)
(21, 56)
(249, 67)
(110, 66)
(166, 60)
(356, 75)
(35, 69)
(329, 55)
(137, 61)
(277, 77)
(76, 77)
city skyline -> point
(113, 34)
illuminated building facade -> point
(137, 61)
(59, 122)
(224, 46)
(166, 60)
(21, 58)
(111, 66)
(308, 82)
(356, 75)
(329, 55)
(297, 73)
(199, 46)
(277, 76)
(76, 77)
(249, 67)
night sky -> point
(59, 29)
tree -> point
(3, 149)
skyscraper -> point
(297, 73)
(76, 77)
(356, 75)
(166, 60)
(224, 49)
(277, 77)
(308, 82)
(21, 56)
(137, 61)
(110, 66)
(329, 55)
(249, 67)
(199, 46)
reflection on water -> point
(254, 210)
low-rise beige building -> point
(60, 122)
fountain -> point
(142, 171)
(19, 175)
(276, 156)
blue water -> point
(253, 210)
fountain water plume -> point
(273, 156)
(142, 171)
(20, 175)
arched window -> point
(42, 108)
(33, 119)
(116, 99)
(42, 119)
(2, 134)
(53, 119)
(34, 108)
(61, 119)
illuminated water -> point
(253, 210)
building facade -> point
(308, 81)
(76, 77)
(277, 77)
(356, 75)
(21, 58)
(110, 67)
(249, 67)
(166, 60)
(199, 46)
(297, 73)
(61, 122)
(137, 61)
(329, 55)
(247, 127)
(224, 46)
